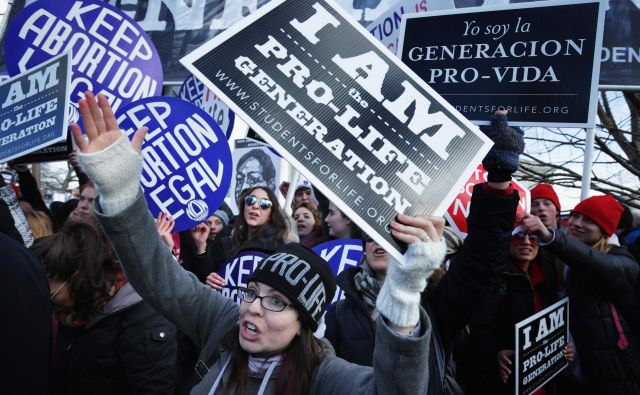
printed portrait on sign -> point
(254, 165)
(255, 168)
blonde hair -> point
(602, 245)
(39, 222)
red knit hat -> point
(604, 210)
(545, 191)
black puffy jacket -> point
(472, 274)
(129, 351)
(595, 282)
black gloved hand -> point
(503, 158)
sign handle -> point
(586, 166)
(291, 192)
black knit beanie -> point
(302, 276)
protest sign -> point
(620, 58)
(540, 343)
(195, 92)
(540, 61)
(254, 165)
(34, 108)
(350, 117)
(53, 153)
(386, 28)
(186, 166)
(458, 212)
(340, 254)
(111, 54)
(236, 271)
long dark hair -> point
(299, 360)
(241, 231)
(81, 254)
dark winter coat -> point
(595, 281)
(492, 326)
(221, 249)
(130, 349)
(472, 274)
(25, 332)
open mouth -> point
(379, 252)
(254, 215)
(252, 329)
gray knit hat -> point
(223, 216)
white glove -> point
(115, 171)
(399, 298)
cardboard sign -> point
(540, 61)
(186, 166)
(620, 58)
(195, 92)
(340, 254)
(53, 153)
(540, 343)
(387, 27)
(34, 108)
(236, 271)
(458, 212)
(343, 111)
(111, 54)
(254, 165)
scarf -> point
(368, 285)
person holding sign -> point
(600, 286)
(526, 286)
(470, 277)
(265, 345)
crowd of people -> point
(102, 298)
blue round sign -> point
(236, 271)
(111, 54)
(340, 254)
(194, 91)
(186, 169)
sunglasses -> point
(264, 204)
(519, 236)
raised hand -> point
(165, 225)
(200, 234)
(417, 229)
(533, 225)
(101, 126)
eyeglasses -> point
(271, 303)
(518, 237)
(264, 204)
(61, 287)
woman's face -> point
(339, 225)
(524, 248)
(255, 216)
(584, 229)
(215, 226)
(63, 303)
(265, 333)
(377, 258)
(305, 221)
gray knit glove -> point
(399, 298)
(115, 171)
